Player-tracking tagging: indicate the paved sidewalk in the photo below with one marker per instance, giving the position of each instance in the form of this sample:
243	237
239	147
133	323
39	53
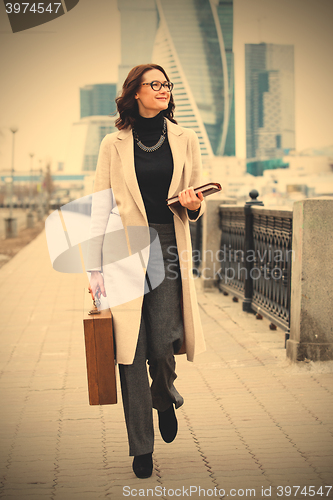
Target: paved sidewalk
252	425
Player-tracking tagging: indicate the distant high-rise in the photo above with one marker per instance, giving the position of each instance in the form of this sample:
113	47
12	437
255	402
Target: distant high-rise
98	99
85	140
270	104
192	40
97	103
138	29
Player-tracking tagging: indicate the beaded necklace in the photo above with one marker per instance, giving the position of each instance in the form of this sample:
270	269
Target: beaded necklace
157	145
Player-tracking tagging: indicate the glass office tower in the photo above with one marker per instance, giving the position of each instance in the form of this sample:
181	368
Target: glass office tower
97	103
193	42
139	23
270	102
85	140
98	99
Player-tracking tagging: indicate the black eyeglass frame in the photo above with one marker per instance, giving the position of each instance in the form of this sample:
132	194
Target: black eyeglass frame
167	85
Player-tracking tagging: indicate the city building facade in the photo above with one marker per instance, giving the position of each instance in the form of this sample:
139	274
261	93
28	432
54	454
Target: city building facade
98	108
138	24
98	99
86	137
270	104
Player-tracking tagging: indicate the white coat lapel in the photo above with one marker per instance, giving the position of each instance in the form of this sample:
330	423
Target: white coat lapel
125	149
178	143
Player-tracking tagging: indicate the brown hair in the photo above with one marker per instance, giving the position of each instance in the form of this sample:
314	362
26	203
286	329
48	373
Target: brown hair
126	103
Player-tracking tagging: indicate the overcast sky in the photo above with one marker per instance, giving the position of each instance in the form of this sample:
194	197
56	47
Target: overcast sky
43	68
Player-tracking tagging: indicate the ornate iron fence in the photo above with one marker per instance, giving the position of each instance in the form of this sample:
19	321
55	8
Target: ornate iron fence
232	272
256	264
272	235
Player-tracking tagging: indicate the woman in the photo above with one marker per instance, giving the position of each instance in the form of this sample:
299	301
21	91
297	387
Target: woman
148	160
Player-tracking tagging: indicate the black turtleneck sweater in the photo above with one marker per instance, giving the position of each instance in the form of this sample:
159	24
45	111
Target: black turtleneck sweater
153	170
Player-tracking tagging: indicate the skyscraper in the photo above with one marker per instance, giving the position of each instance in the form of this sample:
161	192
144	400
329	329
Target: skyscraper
85	139
192	40
98	99
97	103
270	106
139	23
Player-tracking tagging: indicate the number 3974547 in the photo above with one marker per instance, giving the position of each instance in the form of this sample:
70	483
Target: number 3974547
35	8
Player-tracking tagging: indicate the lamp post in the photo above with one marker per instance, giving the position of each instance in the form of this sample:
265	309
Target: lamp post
11	222
40	212
14	130
30	215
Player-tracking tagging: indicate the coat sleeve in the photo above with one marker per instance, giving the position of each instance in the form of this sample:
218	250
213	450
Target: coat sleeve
102	204
102	175
196	175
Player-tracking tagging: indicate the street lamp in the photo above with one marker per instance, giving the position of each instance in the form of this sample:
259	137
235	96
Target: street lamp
13	130
30	216
40	212
10	222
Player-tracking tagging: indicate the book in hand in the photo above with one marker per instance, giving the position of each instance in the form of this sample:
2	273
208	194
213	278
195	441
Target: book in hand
206	190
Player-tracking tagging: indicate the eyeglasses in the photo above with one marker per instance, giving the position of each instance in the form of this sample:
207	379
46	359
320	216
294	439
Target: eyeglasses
156	85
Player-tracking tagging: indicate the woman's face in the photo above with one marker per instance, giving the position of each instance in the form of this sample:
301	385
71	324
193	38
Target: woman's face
151	102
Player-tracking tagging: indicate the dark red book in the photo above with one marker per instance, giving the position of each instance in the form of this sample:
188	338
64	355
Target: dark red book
205	189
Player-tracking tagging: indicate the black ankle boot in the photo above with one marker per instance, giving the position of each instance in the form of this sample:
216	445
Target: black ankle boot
168	424
143	465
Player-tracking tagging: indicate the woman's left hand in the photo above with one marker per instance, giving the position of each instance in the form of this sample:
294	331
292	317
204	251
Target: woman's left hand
188	199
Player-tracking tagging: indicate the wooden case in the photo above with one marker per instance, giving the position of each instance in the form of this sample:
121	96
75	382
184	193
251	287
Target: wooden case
101	373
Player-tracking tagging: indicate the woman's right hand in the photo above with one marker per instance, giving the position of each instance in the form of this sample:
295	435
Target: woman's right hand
97	284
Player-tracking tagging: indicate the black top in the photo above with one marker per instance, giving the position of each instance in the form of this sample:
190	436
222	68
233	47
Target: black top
153	170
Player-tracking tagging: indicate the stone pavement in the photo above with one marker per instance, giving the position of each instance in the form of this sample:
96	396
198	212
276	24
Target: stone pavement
252	425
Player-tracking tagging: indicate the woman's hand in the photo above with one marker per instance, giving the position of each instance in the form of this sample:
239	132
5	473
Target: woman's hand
97	284
190	200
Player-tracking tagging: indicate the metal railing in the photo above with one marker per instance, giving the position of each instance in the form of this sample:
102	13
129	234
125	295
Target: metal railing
272	235
256	258
232	272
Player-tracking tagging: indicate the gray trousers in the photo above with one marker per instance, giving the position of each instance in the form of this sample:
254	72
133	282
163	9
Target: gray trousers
160	336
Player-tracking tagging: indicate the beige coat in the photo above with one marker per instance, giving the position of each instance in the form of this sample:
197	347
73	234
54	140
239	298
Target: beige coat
115	169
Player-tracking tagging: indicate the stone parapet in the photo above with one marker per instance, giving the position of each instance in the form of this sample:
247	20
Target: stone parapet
311	326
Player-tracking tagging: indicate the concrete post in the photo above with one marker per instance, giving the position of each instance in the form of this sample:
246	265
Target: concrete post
211	241
10	227
30	219
249	247
311	327
40	213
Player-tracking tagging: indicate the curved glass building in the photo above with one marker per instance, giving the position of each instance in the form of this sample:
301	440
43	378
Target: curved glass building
193	42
